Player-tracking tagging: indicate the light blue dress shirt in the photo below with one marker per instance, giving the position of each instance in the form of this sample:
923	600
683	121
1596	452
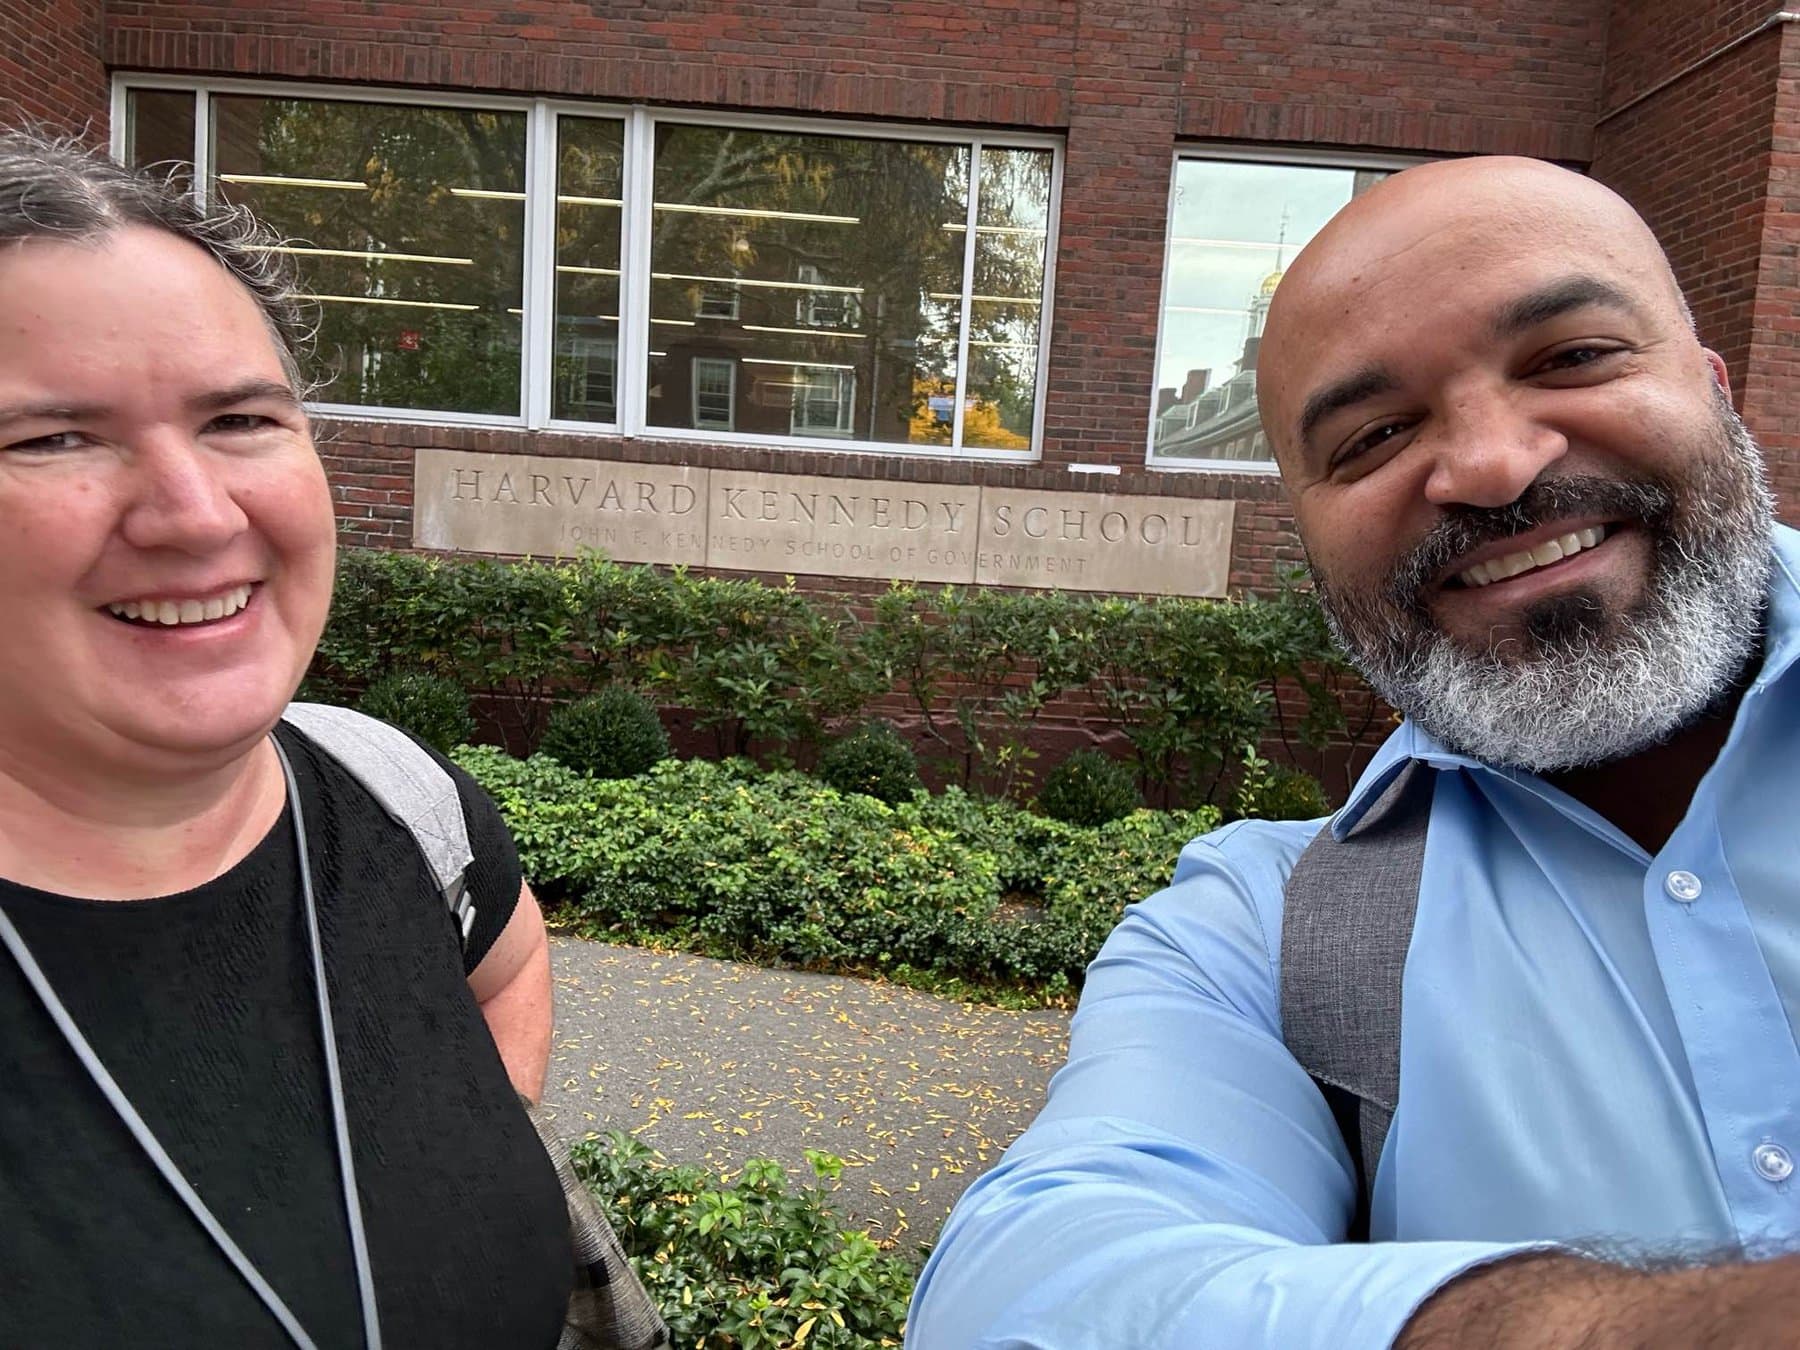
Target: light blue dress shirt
1598	1048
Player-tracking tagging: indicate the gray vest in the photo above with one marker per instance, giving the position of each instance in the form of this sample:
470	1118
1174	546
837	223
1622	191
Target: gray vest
1347	922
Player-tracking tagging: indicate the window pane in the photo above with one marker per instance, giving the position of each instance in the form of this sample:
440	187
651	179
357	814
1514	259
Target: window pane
1005	302
590	185
825	272
408	225
1233	228
159	129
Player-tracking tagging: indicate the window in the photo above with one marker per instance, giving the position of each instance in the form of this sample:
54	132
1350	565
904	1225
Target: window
824	400
715	392
408	226
718	300
590	233
1234	225
588	388
854	293
857	284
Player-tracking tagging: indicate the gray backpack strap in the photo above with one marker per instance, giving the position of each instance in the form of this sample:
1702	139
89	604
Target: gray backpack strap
412	787
1346	926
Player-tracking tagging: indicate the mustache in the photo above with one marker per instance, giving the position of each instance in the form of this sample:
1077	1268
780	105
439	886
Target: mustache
1465	528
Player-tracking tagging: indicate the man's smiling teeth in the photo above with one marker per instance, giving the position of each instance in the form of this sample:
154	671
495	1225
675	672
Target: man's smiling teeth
173	612
1552	550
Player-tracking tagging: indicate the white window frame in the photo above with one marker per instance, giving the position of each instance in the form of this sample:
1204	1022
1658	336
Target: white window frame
846	400
1253	154
537	340
714	363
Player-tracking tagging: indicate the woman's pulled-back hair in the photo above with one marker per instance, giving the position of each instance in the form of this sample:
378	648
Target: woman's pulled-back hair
55	188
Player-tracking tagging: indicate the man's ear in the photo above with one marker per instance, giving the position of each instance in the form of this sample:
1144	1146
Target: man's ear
1722	375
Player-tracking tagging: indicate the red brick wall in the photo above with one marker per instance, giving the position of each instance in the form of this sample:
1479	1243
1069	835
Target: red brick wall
1772	386
983	62
1498	76
1124	80
1697	158
1650	40
50	69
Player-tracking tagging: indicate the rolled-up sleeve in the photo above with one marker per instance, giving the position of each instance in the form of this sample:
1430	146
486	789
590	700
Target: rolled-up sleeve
1185	1184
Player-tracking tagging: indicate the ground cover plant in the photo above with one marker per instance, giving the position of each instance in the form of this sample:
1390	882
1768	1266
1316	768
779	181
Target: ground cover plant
748	1262
727	858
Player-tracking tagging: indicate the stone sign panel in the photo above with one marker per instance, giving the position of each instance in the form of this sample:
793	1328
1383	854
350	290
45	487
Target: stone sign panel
548	507
1097	541
802	523
842	527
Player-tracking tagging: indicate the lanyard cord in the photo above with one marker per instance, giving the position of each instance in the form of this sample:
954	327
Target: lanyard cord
147	1140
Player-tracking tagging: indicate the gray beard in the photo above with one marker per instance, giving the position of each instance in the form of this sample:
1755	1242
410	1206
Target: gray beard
1587	688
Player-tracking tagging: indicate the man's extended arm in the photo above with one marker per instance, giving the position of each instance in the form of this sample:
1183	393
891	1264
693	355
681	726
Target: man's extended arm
1185	1184
1555	1302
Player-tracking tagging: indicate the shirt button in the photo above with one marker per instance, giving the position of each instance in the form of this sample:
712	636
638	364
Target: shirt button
1682	886
1773	1162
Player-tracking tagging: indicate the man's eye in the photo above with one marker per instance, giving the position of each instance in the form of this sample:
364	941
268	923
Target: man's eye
1573	358
239	422
1372	439
49	445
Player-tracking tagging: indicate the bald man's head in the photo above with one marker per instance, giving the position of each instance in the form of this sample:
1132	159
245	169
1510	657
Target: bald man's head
1439	230
1533	519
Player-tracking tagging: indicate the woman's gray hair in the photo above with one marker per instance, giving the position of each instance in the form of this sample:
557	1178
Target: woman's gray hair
53	187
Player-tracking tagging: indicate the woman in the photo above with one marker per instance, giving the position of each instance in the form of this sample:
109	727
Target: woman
166	556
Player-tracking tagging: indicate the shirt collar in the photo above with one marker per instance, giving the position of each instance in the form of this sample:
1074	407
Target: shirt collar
1409	742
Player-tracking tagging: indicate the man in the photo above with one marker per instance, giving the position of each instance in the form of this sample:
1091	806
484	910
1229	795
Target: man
1540	530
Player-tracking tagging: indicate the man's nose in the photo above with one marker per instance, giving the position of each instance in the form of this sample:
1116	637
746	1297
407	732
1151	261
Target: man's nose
181	497
1489	450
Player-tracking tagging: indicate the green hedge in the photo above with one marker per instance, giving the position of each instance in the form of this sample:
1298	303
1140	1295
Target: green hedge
1190	683
750	1263
778	866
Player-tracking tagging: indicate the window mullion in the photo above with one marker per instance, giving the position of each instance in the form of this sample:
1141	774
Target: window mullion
634	269
203	147
1047	302
537	339
968	289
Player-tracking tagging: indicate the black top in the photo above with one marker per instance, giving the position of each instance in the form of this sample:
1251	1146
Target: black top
202	1006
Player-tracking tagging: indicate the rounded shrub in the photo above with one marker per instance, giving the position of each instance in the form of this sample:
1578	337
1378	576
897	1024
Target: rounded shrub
873	759
434	709
615	733
1290	794
1089	788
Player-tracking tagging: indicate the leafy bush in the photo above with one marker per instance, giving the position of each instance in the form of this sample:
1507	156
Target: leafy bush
1191	683
873	759
747	1264
1089	788
434	709
615	733
1275	792
726	858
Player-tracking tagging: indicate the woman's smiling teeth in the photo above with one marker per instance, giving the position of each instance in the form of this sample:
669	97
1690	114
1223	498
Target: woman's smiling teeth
1525	560
174	612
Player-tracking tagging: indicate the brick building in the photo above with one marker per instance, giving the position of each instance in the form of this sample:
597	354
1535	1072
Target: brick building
1006	261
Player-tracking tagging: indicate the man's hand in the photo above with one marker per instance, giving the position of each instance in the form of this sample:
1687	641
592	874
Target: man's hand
1554	1302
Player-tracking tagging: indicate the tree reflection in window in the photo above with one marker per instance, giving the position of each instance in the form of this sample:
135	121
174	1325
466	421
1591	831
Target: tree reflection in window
846	257
408	224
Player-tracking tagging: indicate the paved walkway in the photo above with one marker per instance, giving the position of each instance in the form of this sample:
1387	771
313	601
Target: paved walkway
714	1062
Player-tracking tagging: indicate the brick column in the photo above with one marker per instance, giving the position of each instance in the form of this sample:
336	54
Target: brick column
1122	123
